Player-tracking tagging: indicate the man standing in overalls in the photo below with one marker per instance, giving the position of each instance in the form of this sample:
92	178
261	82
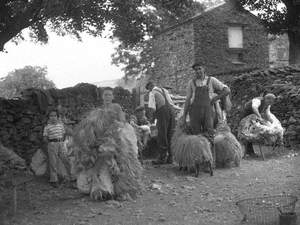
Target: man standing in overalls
201	97
162	105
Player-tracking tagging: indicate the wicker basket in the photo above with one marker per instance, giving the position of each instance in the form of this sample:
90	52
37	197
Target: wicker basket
265	210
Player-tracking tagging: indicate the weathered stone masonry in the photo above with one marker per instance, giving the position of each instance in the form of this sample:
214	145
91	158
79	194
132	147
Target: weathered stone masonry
204	39
211	40
22	121
174	51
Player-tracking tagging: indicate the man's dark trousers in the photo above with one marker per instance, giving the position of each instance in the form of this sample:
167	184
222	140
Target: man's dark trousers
165	127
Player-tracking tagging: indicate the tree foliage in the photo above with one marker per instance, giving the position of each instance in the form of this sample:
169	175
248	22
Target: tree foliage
28	77
279	20
273	14
129	19
138	59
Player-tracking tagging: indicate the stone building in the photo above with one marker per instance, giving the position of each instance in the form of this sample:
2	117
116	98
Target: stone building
279	50
225	39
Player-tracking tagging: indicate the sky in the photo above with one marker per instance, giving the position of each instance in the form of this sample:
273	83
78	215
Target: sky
69	61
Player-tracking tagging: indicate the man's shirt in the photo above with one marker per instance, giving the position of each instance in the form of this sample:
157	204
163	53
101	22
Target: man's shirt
256	103
54	131
157	99
214	86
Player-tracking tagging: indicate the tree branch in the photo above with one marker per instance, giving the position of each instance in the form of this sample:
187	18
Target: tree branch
20	21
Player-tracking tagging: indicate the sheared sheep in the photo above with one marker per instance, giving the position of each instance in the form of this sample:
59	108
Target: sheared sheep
192	152
228	150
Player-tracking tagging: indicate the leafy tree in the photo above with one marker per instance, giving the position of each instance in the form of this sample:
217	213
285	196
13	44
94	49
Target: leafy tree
128	18
137	59
279	20
28	77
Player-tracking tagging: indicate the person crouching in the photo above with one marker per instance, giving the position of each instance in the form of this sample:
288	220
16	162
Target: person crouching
260	106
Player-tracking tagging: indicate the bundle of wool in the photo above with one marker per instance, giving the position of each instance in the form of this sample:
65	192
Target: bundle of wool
252	129
97	181
10	160
39	163
118	175
228	149
191	151
128	181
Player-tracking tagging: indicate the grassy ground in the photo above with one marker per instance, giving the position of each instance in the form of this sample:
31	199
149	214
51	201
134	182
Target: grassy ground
170	197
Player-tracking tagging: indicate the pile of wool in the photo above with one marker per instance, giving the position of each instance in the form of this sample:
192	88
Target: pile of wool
191	151
39	161
228	149
284	82
254	130
106	157
10	160
11	165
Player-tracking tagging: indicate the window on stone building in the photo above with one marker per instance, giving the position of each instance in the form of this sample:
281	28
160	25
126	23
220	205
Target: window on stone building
235	37
235	44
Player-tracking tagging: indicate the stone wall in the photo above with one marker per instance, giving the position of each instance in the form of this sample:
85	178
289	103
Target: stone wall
279	50
22	121
211	40
284	82
174	52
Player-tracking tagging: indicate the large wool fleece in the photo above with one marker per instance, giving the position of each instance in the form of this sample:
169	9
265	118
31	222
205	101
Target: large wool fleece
228	149
264	132
191	151
106	157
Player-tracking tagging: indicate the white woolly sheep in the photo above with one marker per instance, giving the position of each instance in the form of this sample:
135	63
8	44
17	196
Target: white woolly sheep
191	151
228	149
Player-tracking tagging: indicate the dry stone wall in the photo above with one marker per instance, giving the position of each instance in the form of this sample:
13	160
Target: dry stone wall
22	121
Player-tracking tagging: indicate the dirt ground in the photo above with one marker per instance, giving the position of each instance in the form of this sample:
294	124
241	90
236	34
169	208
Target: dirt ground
170	197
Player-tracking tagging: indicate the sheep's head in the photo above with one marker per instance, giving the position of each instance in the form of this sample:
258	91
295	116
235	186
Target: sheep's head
223	127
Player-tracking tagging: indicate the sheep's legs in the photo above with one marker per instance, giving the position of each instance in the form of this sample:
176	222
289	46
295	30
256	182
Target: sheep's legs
210	169
197	169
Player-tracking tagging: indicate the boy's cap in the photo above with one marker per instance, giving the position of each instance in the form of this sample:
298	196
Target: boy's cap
139	108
